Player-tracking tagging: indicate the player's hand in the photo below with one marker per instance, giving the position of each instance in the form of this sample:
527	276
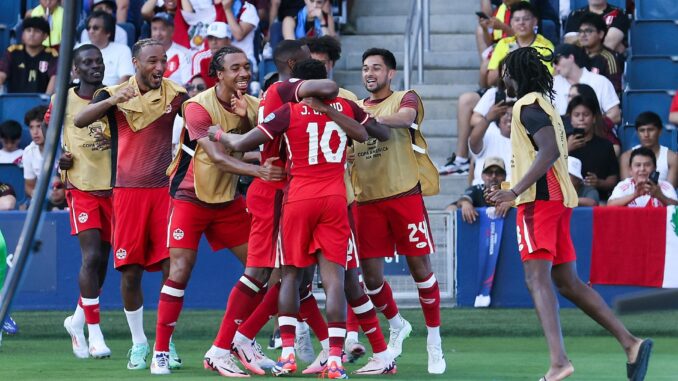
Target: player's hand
122	96
498	196
270	172
316	104
468	213
496	111
66	161
502	209
591	180
575	142
239	105
101	142
212	131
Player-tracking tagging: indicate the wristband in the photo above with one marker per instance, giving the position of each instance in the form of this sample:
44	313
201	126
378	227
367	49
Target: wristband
514	192
217	135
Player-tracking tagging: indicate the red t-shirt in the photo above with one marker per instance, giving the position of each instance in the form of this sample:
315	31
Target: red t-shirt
316	147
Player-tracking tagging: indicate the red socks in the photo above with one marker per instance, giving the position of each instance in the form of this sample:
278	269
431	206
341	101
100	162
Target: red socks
91	309
429	298
337	333
244	298
383	301
288	328
169	307
351	320
267	309
369	322
310	313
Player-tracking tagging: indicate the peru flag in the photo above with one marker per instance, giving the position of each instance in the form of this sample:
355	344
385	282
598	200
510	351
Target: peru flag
635	246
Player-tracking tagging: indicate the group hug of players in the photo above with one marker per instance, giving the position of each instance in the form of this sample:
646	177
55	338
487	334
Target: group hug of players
306	207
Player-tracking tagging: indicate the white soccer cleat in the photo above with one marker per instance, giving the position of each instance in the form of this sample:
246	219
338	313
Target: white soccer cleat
377	366
263	361
247	354
303	345
319	365
397	336
99	349
224	365
78	341
354	349
160	363
436	359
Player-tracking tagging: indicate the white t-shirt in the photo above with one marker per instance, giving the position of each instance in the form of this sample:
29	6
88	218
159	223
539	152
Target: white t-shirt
628	187
32	161
13	157
494	144
250	16
118	60
607	97
120	36
178	64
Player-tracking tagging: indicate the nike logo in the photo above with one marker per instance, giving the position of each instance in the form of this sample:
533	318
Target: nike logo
323	363
371	331
246	358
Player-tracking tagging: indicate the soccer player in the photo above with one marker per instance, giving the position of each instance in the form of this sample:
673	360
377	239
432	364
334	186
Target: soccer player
88	193
140	114
314	212
390	179
543	192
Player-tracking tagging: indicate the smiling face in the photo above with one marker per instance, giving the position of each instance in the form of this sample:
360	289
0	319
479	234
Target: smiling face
641	168
376	75
89	67
235	73
150	66
523	23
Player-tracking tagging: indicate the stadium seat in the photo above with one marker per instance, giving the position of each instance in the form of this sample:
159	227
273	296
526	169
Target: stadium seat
634	103
131	33
652	72
14	106
644	41
13	175
550	31
656	10
576	4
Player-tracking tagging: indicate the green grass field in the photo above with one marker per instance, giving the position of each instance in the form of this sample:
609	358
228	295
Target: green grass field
479	345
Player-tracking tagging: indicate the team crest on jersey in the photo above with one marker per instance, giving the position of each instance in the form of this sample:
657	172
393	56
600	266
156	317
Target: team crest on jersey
168	109
83	217
43	66
178	234
121	253
269	118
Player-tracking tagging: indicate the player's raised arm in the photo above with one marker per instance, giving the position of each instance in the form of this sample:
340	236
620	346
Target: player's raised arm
227	163
236	142
352	127
319	88
100	105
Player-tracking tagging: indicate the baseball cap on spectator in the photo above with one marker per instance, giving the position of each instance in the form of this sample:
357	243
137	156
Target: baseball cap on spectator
36	22
164	17
494	162
219	29
109	2
566	50
574	167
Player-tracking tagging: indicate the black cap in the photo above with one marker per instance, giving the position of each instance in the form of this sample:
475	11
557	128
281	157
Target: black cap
37	23
566	50
164	16
110	2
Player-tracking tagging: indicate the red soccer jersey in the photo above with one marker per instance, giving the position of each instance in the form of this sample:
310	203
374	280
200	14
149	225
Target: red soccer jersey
316	147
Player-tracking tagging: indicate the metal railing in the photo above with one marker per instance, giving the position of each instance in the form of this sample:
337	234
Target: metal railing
417	34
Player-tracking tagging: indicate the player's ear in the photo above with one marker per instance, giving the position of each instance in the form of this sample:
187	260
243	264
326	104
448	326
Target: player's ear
391	74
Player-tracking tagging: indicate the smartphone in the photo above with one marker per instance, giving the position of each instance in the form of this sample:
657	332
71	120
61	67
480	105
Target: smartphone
482	15
654	177
499	96
578	131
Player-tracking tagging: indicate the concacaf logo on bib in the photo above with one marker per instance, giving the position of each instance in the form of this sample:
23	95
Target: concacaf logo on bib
121	253
83	217
178	234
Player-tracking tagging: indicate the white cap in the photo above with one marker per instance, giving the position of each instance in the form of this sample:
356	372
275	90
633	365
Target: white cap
574	167
219	29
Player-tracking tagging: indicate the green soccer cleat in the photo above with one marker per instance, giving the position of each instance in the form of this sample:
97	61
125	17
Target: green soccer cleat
137	356
174	359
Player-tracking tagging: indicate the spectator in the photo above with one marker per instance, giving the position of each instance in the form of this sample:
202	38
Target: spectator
524	20
178	57
490	30
117	57
586	92
30	67
192	20
57	199
491	136
109	7
673	111
313	20
242	19
279	11
571	64
53	13
194	87
603	61
649	127
10	136
588	195
151	7
326	49
494	172
7	197
640	190
616	20
32	159
588	144
218	36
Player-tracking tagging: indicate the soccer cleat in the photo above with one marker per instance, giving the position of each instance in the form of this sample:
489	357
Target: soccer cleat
78	340
397	336
455	167
174	359
436	359
354	349
285	366
247	354
275	342
160	363
320	363
335	371
99	350
262	360
224	365
377	366
303	345
9	326
137	356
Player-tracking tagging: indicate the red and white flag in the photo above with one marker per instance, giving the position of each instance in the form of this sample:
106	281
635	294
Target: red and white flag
635	246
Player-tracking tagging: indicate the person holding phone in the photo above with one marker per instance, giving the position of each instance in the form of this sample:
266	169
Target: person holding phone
643	188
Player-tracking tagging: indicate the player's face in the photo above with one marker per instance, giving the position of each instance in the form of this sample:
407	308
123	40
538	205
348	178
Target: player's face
523	23
35	128
325	59
589	37
582	117
150	66
236	73
648	135
162	32
33	37
216	43
89	67
376	75
641	168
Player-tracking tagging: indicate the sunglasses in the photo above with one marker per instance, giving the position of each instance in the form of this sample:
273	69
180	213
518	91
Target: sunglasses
196	87
93	27
494	171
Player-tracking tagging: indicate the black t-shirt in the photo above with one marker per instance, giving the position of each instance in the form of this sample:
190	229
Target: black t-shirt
26	74
598	157
475	195
613	16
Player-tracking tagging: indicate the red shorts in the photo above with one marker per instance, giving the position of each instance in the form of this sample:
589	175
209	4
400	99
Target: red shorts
225	227
543	230
88	211
264	203
352	261
140	227
395	225
322	221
